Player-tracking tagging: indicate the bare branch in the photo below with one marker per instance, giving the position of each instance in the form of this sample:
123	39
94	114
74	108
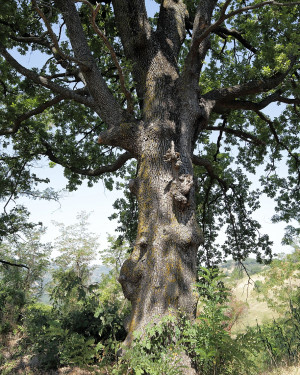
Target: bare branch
239	133
13	264
223	31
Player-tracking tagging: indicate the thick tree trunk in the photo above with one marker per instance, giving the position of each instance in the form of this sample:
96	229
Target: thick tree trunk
161	272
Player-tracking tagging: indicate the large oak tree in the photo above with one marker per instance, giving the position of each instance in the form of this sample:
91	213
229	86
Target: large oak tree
183	96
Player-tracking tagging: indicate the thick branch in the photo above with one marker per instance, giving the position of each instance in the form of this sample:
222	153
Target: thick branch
43	81
27	115
171	24
223	106
111	51
137	38
199	48
201	162
289	100
124	135
108	108
249	88
133	24
122	159
223	31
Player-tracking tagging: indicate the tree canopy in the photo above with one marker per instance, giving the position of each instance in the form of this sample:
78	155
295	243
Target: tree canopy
249	62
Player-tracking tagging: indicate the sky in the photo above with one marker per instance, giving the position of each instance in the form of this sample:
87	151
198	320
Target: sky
98	201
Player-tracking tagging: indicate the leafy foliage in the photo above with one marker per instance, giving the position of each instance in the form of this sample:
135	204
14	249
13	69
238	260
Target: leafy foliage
84	325
21	277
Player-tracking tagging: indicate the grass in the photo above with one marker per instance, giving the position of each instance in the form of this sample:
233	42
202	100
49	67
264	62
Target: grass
292	370
257	312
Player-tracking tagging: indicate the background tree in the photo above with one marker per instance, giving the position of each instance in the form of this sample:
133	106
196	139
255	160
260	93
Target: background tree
24	263
77	248
184	95
85	322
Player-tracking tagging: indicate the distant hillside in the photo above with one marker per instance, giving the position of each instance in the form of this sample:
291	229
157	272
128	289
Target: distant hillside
97	272
253	267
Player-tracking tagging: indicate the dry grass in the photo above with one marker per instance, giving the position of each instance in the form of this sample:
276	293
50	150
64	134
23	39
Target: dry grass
292	370
257	311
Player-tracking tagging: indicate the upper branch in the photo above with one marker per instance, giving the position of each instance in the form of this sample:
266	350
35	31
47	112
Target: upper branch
5	262
223	16
239	133
199	45
52	35
43	81
223	32
203	27
111	51
137	38
133	24
108	108
225	105
171	24
250	88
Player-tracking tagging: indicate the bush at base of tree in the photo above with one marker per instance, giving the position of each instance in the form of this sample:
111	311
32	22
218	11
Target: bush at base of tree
207	341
